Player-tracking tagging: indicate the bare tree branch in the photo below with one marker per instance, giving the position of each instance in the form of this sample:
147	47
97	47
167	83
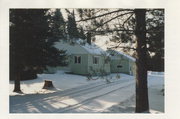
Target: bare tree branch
120	10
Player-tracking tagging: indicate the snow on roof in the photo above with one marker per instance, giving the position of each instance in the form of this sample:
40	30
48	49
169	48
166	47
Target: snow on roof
84	47
132	58
92	49
70	48
121	53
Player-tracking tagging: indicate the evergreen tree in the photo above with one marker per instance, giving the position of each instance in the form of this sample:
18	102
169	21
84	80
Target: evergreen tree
57	25
82	34
31	48
155	40
72	27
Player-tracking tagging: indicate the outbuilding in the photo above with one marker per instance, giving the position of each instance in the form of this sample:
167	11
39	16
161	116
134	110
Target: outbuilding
121	63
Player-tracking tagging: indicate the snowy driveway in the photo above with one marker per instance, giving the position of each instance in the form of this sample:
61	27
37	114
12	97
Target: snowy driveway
94	97
75	94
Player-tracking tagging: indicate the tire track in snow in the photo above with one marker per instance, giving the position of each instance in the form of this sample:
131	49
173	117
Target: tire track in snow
71	93
79	91
75	106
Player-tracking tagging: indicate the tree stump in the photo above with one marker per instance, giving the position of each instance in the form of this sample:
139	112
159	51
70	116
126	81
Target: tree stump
48	84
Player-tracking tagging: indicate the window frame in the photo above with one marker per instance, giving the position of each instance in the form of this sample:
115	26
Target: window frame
77	59
94	61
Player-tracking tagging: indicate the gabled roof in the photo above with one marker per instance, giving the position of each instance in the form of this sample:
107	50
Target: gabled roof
93	49
121	53
70	48
79	47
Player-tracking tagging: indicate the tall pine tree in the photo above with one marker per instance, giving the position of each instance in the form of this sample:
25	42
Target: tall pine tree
57	25
31	48
72	26
142	103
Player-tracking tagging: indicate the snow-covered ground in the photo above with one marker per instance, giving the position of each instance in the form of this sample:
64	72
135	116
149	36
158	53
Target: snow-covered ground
156	94
74	93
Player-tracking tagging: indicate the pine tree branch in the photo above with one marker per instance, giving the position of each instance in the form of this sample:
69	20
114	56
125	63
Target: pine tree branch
127	19
112	30
123	47
120	10
127	48
160	9
112	19
159	28
122	30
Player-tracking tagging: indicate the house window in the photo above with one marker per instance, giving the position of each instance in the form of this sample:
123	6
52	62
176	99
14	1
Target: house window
107	60
77	59
119	66
95	60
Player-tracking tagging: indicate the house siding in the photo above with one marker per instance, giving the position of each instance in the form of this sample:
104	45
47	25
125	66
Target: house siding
118	62
95	69
128	65
79	68
133	67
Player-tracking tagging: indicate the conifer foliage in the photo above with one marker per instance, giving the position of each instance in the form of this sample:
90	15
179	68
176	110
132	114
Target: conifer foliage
31	45
57	25
72	26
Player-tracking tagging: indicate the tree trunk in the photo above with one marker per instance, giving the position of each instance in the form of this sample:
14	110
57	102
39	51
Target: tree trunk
17	87
142	103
